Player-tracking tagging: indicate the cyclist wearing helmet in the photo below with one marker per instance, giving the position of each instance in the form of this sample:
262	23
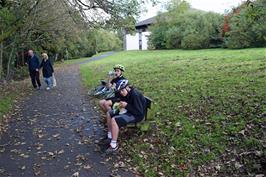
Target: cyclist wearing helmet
106	104
119	69
131	100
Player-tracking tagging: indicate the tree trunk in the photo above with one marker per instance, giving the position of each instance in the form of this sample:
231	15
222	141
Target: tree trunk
56	57
8	64
1	56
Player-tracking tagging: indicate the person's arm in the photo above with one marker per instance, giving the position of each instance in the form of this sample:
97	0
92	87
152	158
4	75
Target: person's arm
38	63
111	84
41	64
51	66
27	61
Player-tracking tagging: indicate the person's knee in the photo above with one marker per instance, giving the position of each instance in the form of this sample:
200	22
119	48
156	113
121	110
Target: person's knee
101	102
106	104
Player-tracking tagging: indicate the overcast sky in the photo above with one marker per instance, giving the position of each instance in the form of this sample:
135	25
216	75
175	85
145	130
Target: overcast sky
207	5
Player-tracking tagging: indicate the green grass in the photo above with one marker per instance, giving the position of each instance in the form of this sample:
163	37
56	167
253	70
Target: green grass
10	93
202	100
6	104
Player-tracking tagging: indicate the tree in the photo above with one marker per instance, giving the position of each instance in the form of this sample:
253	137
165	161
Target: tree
57	26
183	27
247	26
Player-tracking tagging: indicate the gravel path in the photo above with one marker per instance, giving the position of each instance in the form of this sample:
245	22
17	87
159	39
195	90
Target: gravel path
55	133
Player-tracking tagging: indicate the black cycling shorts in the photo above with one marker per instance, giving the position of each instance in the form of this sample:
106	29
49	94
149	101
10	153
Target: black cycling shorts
124	119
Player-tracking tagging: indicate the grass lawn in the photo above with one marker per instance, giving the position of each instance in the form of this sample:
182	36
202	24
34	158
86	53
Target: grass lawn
208	113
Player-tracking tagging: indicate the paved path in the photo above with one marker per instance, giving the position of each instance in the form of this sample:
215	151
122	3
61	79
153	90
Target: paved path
97	57
54	133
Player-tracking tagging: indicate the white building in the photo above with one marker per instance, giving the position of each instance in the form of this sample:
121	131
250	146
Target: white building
139	40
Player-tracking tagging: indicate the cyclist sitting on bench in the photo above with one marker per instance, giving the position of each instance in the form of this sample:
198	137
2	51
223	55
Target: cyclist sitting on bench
134	103
106	104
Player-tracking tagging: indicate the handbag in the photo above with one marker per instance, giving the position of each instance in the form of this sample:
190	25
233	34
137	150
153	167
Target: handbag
54	81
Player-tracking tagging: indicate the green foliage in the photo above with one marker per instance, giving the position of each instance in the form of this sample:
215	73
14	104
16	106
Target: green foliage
248	28
205	103
5	104
182	27
186	28
61	29
106	41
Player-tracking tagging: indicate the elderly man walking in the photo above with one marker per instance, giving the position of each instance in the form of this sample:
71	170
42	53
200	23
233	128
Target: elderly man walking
34	64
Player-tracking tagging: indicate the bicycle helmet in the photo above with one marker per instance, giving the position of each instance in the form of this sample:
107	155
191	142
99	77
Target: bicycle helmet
121	84
118	66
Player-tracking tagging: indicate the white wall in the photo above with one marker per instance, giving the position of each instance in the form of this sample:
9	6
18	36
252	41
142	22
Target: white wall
145	40
132	42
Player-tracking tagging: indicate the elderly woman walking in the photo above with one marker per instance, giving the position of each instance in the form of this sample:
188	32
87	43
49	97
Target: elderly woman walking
47	70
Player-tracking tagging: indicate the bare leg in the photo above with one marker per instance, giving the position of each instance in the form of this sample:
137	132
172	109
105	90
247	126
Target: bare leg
108	105
109	119
114	129
101	104
105	105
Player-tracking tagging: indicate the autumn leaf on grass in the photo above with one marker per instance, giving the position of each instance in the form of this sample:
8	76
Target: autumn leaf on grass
182	167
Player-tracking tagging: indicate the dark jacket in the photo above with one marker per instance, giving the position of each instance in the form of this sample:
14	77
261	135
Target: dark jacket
33	63
136	104
47	68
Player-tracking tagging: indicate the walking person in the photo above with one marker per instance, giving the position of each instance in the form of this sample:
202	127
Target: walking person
47	70
34	63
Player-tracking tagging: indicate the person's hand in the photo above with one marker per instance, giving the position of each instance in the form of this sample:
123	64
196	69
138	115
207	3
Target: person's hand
123	104
37	69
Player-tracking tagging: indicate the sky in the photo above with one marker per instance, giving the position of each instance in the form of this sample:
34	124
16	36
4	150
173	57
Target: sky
218	6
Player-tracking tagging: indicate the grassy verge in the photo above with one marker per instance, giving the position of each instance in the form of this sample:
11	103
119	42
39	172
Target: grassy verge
208	109
10	93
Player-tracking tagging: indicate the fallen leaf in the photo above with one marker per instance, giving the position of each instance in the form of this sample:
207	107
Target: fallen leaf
56	135
61	151
75	174
242	132
23	167
86	167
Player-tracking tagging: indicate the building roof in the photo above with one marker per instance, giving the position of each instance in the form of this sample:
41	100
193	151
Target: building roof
146	22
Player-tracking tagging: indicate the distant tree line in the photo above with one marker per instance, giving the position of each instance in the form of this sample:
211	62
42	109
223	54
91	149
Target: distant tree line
63	28
186	28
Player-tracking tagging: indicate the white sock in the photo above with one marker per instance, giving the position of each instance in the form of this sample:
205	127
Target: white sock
109	135
113	144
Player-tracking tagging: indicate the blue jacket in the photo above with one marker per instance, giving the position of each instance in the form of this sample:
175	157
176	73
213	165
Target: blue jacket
47	68
33	63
